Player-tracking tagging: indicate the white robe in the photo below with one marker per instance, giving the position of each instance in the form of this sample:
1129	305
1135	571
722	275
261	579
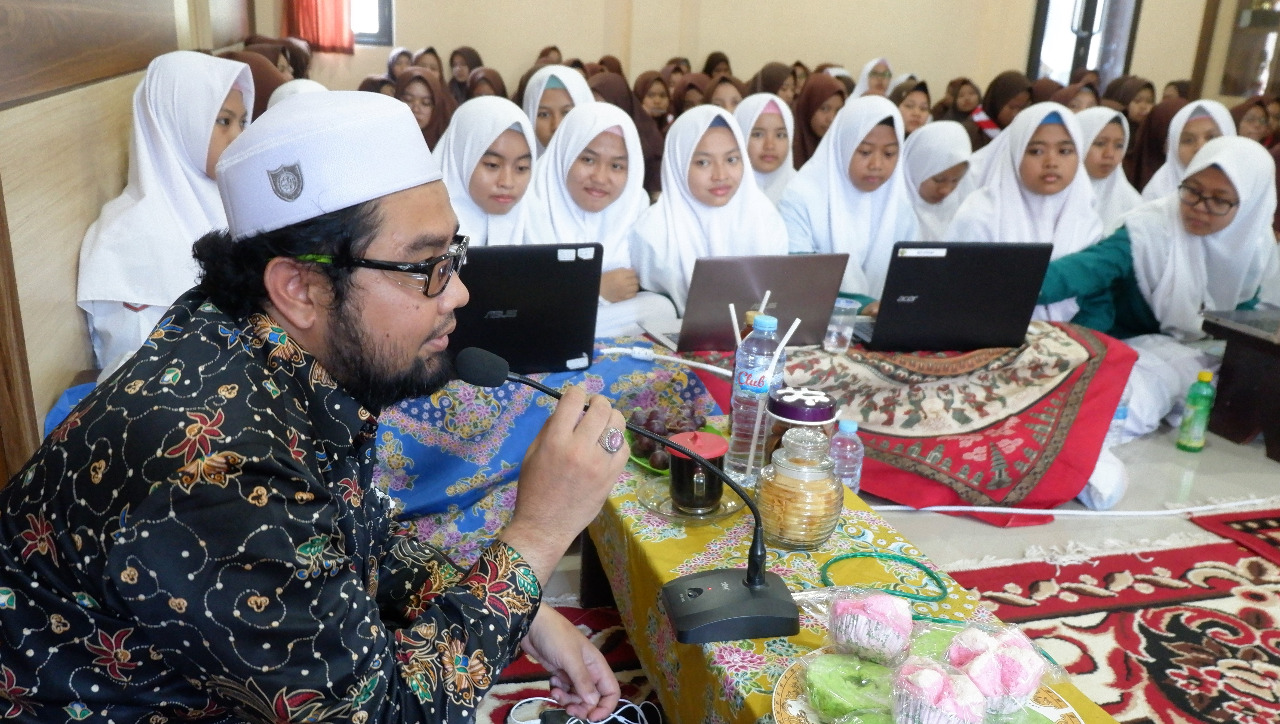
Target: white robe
679	229
1166	178
1113	196
929	151
474	127
1005	210
138	252
825	213
774	182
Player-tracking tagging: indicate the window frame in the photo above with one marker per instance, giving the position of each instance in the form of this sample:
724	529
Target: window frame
386	20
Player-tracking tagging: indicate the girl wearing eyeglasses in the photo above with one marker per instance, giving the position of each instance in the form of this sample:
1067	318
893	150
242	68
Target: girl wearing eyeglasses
1206	246
874	79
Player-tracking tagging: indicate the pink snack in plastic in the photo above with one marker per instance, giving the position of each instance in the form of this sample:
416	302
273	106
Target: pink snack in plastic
875	625
930	693
1005	666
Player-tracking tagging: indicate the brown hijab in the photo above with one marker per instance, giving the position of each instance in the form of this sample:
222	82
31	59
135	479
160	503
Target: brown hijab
1068	94
613	65
817	90
375	83
612	88
1128	89
644	81
689	80
1004	88
769	79
444	107
1043	89
1147	149
489	75
266	78
945	108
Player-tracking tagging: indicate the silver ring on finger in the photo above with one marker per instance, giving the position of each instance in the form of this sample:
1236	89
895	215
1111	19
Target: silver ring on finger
611	440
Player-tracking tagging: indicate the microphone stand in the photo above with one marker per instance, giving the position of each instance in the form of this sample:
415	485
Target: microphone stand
716	605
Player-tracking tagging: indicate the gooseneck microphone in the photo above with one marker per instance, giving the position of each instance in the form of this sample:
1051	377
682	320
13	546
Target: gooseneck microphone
703	607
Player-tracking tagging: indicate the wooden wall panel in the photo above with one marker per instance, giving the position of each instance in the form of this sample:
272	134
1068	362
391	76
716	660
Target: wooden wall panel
18	431
50	45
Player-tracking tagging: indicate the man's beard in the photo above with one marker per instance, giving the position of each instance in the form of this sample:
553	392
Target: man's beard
362	368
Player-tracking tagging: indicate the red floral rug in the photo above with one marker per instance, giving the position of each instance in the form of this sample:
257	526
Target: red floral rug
1179	636
1257	530
524	678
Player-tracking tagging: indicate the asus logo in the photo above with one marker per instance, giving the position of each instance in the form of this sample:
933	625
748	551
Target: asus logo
908	298
501	314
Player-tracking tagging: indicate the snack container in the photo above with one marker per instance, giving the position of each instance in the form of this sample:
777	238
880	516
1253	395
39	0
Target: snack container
932	692
872	624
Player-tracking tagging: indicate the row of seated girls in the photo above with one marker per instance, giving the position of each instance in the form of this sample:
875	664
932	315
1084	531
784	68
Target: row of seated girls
565	167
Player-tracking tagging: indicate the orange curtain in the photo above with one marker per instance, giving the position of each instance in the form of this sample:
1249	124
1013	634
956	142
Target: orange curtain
325	24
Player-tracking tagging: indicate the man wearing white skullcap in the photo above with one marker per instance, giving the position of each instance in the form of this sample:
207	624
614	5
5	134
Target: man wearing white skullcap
199	540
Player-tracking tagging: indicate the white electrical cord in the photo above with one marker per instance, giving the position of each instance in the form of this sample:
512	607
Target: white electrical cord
1083	513
623	706
646	354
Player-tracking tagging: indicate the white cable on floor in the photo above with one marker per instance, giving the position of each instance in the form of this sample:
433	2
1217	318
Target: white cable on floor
648	355
1099	513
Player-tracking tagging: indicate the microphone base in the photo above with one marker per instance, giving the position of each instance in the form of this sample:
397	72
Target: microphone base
711	606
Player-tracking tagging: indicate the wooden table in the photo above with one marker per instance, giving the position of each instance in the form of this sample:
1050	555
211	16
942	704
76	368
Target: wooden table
1248	399
734	681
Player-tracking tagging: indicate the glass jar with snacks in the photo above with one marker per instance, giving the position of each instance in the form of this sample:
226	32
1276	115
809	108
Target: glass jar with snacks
790	407
800	500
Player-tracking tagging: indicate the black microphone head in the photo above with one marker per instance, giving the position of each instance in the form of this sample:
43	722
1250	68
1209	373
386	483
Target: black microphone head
481	368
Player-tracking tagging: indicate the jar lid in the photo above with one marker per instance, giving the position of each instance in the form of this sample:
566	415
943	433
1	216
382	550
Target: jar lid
707	444
801	404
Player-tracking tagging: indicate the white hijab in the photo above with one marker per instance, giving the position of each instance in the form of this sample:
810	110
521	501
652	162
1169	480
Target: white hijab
774	182
475	126
932	149
574	84
553	217
679	229
1166	178
139	249
1113	196
840	217
1005	210
1180	274
864	77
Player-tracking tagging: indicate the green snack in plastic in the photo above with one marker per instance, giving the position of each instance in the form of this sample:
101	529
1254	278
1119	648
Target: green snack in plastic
931	642
871	718
840	685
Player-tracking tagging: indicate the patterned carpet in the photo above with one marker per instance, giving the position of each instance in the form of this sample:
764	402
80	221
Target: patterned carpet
1181	636
525	678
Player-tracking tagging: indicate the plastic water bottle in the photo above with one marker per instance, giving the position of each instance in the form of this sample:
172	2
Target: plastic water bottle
1195	420
751	385
1115	433
847	451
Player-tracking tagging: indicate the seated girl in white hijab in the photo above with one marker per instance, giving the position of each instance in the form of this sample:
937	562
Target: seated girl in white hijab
589	187
136	258
874	79
551	93
1037	191
486	156
710	205
1208	245
1106	135
936	158
766	121
1195	125
851	197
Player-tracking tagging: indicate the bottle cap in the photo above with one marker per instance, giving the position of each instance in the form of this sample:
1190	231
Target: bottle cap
798	404
765	323
1205	376
848	426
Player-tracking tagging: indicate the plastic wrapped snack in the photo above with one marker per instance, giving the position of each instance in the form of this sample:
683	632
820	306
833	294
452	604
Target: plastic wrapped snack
931	692
931	638
1001	662
845	689
871	624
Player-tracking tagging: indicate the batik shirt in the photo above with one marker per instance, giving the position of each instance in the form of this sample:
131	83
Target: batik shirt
199	541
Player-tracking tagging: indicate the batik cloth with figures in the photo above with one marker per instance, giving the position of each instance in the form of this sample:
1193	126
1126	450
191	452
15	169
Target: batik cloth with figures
199	541
1020	426
476	438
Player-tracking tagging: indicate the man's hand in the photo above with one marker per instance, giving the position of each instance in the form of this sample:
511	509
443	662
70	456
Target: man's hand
581	680
871	309
619	285
564	480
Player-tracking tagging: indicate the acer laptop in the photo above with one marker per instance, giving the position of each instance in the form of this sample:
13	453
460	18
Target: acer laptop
533	305
956	296
801	286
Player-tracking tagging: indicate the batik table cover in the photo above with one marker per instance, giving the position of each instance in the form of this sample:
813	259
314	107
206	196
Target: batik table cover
734	681
476	438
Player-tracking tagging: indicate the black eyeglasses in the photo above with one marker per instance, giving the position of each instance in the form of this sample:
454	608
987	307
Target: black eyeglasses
430	276
1212	204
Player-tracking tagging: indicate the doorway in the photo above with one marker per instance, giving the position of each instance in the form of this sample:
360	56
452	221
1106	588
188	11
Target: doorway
1072	34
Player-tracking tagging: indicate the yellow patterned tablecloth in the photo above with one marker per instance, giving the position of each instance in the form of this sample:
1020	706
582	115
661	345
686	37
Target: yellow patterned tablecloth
734	681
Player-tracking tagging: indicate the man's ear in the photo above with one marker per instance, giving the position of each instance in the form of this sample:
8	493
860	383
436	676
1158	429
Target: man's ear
299	295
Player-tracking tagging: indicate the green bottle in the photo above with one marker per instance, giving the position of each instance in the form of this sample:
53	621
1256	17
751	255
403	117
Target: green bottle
1195	421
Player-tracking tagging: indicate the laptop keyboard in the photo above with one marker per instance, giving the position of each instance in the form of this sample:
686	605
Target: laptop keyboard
863	327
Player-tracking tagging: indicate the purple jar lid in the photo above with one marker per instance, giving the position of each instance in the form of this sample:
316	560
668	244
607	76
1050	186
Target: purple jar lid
800	404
